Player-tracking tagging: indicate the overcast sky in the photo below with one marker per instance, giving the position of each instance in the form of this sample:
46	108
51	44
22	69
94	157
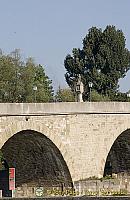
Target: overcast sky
47	30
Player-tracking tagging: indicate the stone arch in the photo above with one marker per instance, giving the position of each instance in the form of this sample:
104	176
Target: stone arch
37	160
118	157
18	126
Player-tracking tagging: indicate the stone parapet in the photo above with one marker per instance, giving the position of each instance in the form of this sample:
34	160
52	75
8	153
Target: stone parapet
63	108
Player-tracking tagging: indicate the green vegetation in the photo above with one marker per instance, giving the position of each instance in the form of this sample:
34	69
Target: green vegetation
95	96
23	81
64	95
1	159
107	178
103	60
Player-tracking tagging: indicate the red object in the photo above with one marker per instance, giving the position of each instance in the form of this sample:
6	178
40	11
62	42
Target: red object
11	178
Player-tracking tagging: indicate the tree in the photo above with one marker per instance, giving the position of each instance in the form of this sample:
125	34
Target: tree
17	80
64	95
95	96
103	60
9	80
34	76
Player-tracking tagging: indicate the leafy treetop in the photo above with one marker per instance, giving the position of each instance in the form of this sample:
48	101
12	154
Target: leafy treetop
103	60
18	79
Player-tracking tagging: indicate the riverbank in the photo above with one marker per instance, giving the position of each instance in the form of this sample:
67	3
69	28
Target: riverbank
72	198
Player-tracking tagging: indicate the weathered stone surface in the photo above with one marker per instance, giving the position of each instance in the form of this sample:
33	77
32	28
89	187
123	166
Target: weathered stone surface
76	198
36	159
83	132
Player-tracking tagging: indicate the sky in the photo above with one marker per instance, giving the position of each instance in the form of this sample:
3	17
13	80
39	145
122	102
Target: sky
48	30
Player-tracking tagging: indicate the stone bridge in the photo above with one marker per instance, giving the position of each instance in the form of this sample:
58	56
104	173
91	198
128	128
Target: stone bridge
84	136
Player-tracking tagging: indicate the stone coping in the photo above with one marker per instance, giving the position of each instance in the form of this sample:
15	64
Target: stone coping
64	108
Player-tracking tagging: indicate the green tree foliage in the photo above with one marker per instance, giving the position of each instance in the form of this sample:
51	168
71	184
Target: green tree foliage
95	96
18	79
64	95
120	97
103	60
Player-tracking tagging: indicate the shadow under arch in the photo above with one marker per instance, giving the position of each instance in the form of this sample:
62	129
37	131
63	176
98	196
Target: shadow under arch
37	160
118	159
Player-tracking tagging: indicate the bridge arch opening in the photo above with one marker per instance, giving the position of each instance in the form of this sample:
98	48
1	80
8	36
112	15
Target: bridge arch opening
37	160
118	159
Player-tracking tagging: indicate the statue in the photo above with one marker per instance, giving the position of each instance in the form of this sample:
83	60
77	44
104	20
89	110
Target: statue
79	90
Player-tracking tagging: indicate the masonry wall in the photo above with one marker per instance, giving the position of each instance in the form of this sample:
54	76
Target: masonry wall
83	137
